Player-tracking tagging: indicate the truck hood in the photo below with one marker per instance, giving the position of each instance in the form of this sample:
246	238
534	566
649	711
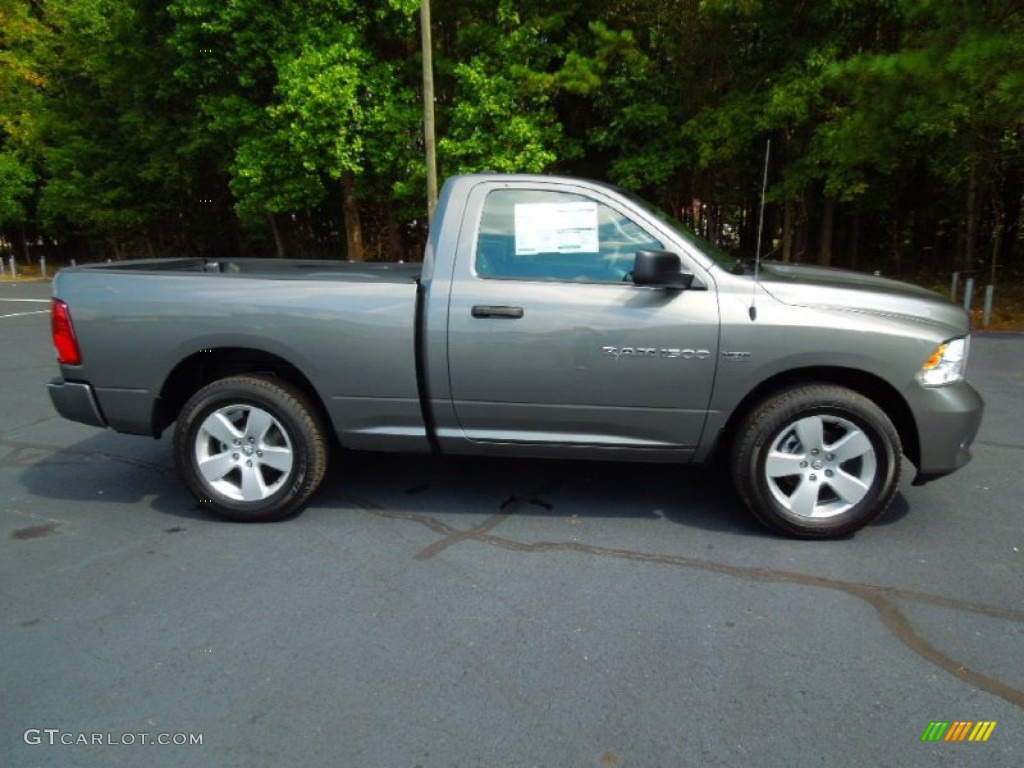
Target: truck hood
841	289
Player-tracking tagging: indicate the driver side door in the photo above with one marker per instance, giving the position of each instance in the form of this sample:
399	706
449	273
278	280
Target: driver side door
549	341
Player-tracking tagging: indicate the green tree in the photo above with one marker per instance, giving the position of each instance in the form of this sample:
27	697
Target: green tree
307	100
499	113
207	127
21	82
947	102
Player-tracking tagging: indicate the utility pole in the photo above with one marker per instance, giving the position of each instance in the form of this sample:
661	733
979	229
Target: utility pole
428	108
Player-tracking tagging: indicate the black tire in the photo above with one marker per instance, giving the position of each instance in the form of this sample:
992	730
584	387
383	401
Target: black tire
251	448
816	461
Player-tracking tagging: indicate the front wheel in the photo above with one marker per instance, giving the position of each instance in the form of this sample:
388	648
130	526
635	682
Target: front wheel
251	448
817	461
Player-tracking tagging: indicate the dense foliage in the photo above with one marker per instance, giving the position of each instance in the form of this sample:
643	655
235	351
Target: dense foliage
138	127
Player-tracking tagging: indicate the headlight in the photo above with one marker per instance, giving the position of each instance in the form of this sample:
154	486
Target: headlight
947	364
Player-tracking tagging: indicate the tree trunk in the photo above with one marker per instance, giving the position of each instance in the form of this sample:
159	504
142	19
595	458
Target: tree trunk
997	238
802	244
353	228
971	234
396	251
855	239
1013	197
429	141
787	231
936	258
826	234
25	245
278	240
897	251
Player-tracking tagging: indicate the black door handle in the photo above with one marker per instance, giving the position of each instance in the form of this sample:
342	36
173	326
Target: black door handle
510	313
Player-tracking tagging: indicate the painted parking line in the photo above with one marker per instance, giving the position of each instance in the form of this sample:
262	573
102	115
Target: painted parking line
22	314
30	301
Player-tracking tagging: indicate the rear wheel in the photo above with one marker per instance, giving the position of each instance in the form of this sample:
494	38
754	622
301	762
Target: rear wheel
817	461
252	448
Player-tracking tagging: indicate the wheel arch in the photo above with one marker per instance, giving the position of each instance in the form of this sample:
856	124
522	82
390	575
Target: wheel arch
876	389
206	366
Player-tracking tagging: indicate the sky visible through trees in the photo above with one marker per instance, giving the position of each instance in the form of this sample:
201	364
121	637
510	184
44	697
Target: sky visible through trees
252	127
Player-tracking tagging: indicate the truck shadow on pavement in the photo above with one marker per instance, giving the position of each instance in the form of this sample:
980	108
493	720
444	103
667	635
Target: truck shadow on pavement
107	469
698	497
113	469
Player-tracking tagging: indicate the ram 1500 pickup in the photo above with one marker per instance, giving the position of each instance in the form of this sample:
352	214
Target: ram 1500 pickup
550	317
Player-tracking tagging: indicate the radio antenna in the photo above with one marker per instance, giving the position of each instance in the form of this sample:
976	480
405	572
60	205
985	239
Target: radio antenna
760	229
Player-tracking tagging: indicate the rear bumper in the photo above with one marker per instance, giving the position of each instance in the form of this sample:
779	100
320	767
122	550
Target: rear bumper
76	401
948	419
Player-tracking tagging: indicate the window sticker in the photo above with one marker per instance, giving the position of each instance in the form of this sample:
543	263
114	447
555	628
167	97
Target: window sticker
556	228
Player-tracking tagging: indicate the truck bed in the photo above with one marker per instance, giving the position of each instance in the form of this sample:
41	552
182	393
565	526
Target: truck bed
146	325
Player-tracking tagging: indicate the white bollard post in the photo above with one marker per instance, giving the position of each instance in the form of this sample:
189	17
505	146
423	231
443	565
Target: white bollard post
990	291
968	293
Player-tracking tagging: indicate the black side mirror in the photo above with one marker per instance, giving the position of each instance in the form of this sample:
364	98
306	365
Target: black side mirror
660	268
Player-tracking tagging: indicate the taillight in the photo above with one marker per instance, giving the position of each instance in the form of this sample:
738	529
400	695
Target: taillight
64	339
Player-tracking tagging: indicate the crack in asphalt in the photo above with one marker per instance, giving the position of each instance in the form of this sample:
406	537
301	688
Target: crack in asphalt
880	598
29	424
509	507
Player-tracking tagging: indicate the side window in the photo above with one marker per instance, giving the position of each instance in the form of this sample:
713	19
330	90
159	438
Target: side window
537	235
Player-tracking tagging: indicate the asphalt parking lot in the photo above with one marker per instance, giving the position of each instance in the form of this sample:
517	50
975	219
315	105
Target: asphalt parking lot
493	613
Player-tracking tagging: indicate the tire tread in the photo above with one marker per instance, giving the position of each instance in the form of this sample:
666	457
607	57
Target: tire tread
787	404
299	408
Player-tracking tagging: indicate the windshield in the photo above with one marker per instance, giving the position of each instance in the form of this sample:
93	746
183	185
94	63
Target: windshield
719	256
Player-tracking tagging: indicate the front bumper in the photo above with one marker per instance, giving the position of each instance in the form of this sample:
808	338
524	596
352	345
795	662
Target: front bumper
947	419
76	401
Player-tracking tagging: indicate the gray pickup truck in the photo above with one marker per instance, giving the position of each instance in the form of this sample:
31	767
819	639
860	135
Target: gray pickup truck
550	317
